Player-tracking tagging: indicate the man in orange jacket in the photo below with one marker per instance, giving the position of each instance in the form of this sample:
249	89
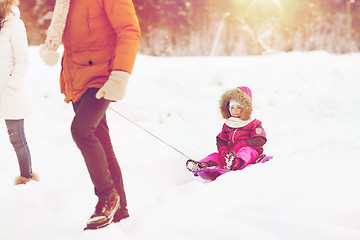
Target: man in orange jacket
101	39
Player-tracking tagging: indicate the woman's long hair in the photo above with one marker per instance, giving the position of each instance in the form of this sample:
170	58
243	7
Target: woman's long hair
5	9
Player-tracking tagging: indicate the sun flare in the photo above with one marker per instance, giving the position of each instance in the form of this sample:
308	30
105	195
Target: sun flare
270	3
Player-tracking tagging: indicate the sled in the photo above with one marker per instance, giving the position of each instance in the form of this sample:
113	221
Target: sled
211	173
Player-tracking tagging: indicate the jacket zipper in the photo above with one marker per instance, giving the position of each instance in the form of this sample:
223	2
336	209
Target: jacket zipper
233	137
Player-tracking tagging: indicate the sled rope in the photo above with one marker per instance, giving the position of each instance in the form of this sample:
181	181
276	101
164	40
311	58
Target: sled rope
128	119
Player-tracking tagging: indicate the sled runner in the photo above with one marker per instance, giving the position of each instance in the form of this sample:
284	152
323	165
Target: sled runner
211	173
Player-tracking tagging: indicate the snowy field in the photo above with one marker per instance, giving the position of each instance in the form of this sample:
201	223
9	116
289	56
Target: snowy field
310	108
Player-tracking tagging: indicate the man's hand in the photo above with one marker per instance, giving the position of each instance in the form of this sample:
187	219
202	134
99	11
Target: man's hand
114	88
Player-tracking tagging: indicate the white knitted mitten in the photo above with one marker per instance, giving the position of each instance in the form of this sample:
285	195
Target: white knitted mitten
114	88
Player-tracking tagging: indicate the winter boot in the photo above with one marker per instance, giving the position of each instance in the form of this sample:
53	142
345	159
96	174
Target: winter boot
193	166
120	214
104	212
23	180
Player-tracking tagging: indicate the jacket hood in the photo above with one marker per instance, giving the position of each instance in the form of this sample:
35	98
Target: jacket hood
243	96
15	11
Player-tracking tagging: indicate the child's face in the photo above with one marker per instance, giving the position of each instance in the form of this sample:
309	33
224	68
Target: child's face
235	110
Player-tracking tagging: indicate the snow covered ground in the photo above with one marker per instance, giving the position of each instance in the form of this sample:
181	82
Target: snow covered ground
310	109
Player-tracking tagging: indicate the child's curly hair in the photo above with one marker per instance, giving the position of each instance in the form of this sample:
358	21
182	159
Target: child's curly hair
5	9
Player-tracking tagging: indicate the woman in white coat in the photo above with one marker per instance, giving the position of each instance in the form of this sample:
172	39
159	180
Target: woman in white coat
13	65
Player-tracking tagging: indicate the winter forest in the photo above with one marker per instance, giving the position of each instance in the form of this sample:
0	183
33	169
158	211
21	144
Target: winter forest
229	27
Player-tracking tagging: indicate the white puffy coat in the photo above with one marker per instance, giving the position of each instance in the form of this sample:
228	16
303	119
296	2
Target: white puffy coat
13	65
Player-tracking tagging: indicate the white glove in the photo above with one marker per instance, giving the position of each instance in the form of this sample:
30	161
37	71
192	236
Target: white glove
114	88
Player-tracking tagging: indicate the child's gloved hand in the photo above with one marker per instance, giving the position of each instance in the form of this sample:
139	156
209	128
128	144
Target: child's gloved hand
114	88
223	151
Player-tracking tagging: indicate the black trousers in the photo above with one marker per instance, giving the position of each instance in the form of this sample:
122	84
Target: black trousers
91	135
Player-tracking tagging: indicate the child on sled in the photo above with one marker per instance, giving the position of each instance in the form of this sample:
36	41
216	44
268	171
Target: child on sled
241	140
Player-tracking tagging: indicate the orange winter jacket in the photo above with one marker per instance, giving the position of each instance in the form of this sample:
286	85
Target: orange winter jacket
99	36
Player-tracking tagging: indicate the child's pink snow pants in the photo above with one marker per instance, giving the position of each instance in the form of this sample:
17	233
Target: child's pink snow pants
247	154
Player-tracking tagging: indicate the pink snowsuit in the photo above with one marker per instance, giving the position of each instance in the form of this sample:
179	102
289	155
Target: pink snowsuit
246	138
236	138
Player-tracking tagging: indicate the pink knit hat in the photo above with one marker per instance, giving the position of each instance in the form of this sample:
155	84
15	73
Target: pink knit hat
246	90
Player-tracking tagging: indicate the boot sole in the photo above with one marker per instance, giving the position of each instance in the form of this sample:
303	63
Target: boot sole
110	220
